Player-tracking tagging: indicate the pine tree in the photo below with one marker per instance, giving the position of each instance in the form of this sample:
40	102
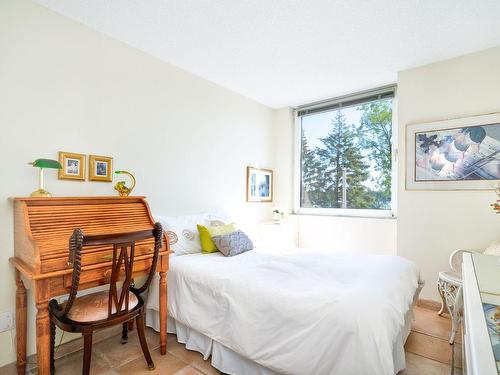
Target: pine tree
307	160
341	152
311	168
375	135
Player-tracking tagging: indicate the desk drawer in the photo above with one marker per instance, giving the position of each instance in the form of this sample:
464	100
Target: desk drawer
90	257
102	275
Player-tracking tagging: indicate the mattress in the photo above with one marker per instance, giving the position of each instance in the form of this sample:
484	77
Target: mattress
293	311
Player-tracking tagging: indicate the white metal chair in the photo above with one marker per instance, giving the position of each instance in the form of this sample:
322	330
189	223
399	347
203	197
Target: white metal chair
450	289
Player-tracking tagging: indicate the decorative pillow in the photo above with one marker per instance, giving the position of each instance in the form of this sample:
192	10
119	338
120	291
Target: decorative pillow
207	232
234	243
493	249
182	233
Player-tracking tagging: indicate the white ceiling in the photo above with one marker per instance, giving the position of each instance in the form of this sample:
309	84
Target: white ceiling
291	52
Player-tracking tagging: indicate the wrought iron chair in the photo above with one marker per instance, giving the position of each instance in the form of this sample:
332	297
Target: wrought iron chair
118	305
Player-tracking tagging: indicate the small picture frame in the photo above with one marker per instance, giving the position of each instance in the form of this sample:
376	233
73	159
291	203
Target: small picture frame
259	185
100	168
73	166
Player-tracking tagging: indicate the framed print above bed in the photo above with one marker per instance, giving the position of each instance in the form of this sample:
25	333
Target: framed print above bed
259	185
458	154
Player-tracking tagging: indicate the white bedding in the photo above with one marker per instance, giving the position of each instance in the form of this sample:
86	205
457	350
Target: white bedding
297	311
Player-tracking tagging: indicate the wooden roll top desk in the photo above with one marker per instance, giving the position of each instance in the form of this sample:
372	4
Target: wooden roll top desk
42	227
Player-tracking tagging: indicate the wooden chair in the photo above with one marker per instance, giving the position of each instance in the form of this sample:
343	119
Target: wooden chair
119	305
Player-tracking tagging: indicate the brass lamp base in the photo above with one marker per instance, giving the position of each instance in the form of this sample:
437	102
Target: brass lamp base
40	193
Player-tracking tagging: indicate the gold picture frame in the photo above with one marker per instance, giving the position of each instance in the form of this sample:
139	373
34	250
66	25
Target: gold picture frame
259	184
73	166
100	168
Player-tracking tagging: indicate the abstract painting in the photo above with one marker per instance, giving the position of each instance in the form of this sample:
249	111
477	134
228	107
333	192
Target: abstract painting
454	154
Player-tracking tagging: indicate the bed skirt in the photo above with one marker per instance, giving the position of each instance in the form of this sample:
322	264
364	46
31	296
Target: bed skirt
230	362
222	358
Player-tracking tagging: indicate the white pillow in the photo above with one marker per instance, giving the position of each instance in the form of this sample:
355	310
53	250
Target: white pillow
493	249
182	232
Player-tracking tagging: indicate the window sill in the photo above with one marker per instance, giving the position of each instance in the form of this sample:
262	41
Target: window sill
355	214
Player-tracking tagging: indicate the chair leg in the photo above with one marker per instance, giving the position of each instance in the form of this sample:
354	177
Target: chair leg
142	339
52	347
124	333
443	301
131	325
87	352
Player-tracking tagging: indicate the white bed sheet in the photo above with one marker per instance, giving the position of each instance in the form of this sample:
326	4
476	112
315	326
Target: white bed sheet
297	311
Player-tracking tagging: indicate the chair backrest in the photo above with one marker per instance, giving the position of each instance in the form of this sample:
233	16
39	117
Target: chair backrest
122	259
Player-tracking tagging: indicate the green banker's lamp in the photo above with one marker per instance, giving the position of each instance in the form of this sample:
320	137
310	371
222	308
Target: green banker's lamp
42	164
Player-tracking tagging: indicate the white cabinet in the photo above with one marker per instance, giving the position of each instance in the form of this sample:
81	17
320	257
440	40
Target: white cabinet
281	235
481	288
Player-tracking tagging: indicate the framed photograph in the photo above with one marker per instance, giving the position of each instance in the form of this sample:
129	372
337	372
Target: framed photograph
73	166
459	154
100	168
259	185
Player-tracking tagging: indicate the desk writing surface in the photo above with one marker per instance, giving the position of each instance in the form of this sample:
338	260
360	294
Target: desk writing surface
487	270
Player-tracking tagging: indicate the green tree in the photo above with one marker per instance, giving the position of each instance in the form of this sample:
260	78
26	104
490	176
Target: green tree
375	136
340	152
312	192
307	170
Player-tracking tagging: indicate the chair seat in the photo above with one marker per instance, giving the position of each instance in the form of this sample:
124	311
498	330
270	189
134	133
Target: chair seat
451	277
94	307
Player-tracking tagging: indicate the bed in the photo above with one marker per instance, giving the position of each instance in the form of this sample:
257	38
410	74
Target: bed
291	311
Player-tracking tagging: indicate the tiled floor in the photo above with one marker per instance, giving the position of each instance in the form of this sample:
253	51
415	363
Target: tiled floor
110	357
427	349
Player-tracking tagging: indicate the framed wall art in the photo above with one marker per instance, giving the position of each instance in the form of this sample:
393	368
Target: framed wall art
259	185
458	154
100	168
73	166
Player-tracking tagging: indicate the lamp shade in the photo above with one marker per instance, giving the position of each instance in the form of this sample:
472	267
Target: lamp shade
46	163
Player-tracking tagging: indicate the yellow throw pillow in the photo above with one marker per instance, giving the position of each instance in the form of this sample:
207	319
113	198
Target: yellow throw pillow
206	234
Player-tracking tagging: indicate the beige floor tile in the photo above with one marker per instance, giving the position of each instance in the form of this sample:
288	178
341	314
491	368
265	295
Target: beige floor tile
73	364
417	365
172	341
204	366
188	370
429	322
118	354
187	356
165	365
429	346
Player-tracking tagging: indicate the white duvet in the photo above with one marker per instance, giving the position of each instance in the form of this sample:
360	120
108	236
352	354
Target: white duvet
299	311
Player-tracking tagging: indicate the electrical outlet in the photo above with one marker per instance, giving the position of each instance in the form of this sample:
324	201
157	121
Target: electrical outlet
6	321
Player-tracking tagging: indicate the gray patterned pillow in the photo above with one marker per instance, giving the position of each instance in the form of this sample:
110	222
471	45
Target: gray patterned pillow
233	243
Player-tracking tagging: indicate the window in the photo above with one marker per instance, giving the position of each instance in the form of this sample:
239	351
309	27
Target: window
345	155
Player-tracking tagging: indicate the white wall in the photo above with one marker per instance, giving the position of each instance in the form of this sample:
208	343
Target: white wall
431	224
284	138
66	87
353	234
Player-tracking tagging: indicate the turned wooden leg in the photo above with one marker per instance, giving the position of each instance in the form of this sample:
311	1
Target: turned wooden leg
21	322
42	327
142	339
52	347
163	312
87	352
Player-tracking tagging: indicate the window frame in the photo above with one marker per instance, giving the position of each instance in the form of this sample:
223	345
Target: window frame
297	173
